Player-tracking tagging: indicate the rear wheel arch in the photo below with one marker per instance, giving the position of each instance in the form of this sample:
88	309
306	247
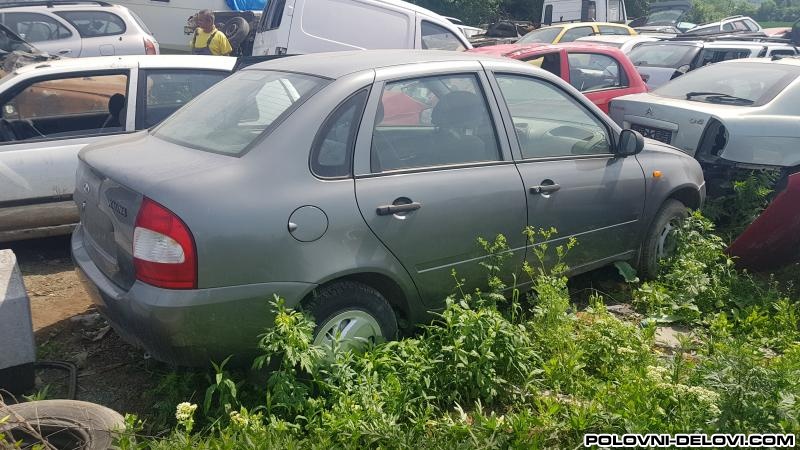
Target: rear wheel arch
385	285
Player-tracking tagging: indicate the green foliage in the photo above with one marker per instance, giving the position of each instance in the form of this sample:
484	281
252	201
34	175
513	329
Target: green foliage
498	369
747	196
473	12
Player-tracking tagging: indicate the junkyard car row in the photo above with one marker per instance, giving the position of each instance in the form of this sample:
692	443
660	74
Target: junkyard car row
353	184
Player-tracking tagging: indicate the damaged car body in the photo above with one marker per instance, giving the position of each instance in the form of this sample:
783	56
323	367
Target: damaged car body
734	124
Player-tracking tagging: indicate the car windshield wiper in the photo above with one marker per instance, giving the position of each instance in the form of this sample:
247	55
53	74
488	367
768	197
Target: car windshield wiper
719	96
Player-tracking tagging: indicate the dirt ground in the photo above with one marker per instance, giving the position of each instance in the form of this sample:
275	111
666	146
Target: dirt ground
67	328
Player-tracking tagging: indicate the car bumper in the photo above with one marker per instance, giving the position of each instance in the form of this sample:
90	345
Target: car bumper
772	240
185	327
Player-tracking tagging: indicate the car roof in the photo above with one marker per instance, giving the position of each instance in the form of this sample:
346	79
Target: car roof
338	64
620	38
786	61
746	44
63	7
130	61
583	24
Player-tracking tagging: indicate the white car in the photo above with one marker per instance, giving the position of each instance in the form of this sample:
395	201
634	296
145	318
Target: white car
50	111
733	24
622	42
79	28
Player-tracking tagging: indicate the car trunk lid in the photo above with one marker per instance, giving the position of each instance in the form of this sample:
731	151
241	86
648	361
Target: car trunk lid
113	179
679	123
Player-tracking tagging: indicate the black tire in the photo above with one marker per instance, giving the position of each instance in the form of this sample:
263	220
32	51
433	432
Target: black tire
65	424
672	212
237	29
346	296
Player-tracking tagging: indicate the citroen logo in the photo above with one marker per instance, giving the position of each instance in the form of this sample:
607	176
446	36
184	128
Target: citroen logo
649	112
86	188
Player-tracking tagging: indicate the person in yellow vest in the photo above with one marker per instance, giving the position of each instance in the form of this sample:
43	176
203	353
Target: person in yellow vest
207	39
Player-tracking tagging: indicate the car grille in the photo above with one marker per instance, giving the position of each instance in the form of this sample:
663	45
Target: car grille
658	134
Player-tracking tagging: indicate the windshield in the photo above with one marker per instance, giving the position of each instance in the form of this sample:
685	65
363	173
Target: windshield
753	84
233	114
666	17
546	35
663	55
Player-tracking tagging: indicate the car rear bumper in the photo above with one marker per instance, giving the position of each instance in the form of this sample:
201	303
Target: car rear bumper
185	327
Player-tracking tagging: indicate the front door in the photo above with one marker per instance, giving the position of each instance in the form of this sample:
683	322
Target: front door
438	177
574	182
599	76
43	128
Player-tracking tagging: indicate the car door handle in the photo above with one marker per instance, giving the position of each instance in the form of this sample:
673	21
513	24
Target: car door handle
64	51
545	188
388	210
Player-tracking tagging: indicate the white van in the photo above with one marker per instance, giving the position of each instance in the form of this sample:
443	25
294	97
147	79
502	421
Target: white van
310	26
559	11
167	19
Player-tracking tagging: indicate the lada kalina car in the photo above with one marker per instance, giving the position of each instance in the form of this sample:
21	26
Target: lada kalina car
318	178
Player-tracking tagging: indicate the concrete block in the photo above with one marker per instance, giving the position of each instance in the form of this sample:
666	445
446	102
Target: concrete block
17	344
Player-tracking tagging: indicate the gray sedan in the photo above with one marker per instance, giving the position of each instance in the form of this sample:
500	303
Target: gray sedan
353	184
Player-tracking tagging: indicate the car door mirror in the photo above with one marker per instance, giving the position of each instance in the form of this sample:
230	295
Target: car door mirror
630	143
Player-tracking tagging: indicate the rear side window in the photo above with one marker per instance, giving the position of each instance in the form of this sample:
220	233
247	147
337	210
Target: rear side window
238	110
435	37
35	27
433	121
576	33
709	56
94	23
332	155
168	90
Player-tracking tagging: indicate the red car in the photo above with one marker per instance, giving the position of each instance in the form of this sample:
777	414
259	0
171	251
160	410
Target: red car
600	72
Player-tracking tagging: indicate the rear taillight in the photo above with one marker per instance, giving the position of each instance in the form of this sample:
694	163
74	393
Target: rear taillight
149	47
164	253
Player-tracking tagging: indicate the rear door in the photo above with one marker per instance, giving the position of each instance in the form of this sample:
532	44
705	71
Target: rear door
166	90
434	175
48	33
272	36
574	182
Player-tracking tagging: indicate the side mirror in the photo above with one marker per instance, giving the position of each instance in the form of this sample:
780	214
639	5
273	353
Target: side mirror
630	143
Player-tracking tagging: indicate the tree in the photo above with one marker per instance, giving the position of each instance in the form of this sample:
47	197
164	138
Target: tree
472	12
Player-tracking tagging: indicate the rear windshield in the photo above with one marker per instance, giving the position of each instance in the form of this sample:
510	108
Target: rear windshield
234	113
741	84
547	35
663	55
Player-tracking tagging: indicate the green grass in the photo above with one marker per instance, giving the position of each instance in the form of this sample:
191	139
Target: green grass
521	372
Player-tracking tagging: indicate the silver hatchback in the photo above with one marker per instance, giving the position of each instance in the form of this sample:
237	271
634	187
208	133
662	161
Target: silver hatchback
76	29
352	185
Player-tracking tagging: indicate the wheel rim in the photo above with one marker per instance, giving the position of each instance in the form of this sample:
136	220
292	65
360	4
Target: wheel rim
667	243
354	330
